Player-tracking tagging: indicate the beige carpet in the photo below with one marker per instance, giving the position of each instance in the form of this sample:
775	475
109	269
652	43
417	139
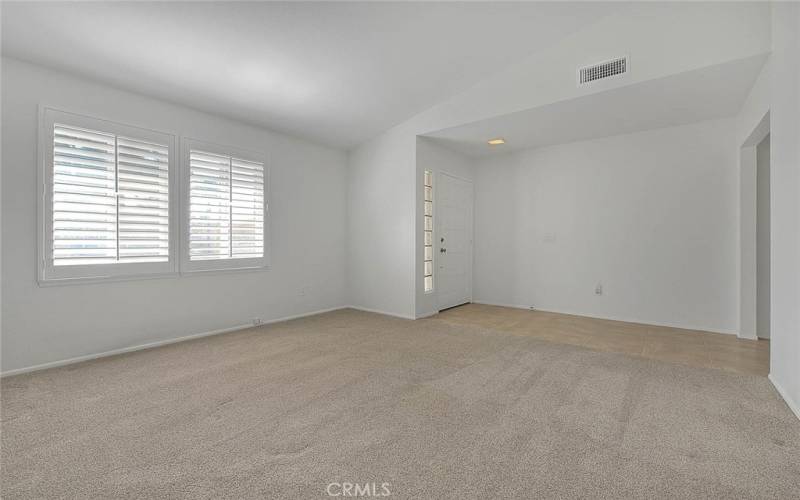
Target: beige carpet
435	410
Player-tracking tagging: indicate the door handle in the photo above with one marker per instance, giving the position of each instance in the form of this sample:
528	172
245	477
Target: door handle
442	250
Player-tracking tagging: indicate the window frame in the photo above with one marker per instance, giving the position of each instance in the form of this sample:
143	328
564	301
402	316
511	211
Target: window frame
49	274
190	267
432	231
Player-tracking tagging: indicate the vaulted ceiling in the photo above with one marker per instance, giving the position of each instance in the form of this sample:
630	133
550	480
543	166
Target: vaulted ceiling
336	73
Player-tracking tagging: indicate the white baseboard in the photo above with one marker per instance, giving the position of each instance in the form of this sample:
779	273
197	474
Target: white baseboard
500	304
159	343
378	311
795	407
612	318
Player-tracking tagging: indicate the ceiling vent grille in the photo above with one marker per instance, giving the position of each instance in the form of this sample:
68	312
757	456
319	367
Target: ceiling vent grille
602	70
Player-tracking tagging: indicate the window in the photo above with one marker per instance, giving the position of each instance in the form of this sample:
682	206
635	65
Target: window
106	195
226	209
427	261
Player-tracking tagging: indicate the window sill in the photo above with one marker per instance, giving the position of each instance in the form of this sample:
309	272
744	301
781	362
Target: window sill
54	282
231	270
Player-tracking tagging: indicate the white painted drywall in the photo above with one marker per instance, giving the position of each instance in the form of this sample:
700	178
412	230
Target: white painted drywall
333	71
383	208
752	125
754	108
47	324
380	204
710	33
747	242
651	215
762	239
437	159
785	206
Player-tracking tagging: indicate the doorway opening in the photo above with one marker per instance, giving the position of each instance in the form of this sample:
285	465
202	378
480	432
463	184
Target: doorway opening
755	270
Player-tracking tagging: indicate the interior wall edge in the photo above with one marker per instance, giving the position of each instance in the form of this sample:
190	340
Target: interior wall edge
159	343
792	404
378	311
614	318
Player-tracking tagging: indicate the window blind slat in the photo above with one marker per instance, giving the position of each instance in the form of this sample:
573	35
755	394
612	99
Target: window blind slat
143	172
226	204
110	198
209	186
83	195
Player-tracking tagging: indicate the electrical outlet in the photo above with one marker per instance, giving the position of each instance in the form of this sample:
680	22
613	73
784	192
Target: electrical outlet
598	290
257	321
303	291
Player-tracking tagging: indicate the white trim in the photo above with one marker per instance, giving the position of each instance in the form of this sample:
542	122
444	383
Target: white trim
231	270
106	279
611	318
433	245
159	343
378	311
747	230
795	407
48	274
188	266
501	304
743	336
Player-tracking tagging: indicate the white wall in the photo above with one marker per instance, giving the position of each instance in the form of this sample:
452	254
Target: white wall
435	158
48	324
749	124
381	226
748	264
752	125
383	211
651	215
762	239
785	206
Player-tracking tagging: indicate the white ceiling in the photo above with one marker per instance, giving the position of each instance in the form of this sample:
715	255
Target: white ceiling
337	73
703	94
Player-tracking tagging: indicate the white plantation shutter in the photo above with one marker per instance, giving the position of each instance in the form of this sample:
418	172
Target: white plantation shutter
84	197
106	199
143	201
110	199
226	207
209	206
247	209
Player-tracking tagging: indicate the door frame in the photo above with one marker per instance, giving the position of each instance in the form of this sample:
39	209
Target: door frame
437	225
748	163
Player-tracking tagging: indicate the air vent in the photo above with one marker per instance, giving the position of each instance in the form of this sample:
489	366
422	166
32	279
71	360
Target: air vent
602	70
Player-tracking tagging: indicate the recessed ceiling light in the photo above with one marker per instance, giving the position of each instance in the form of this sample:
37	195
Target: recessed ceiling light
496	142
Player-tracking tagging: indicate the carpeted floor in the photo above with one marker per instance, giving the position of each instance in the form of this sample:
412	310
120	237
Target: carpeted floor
435	410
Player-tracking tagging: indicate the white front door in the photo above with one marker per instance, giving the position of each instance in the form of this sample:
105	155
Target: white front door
454	239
